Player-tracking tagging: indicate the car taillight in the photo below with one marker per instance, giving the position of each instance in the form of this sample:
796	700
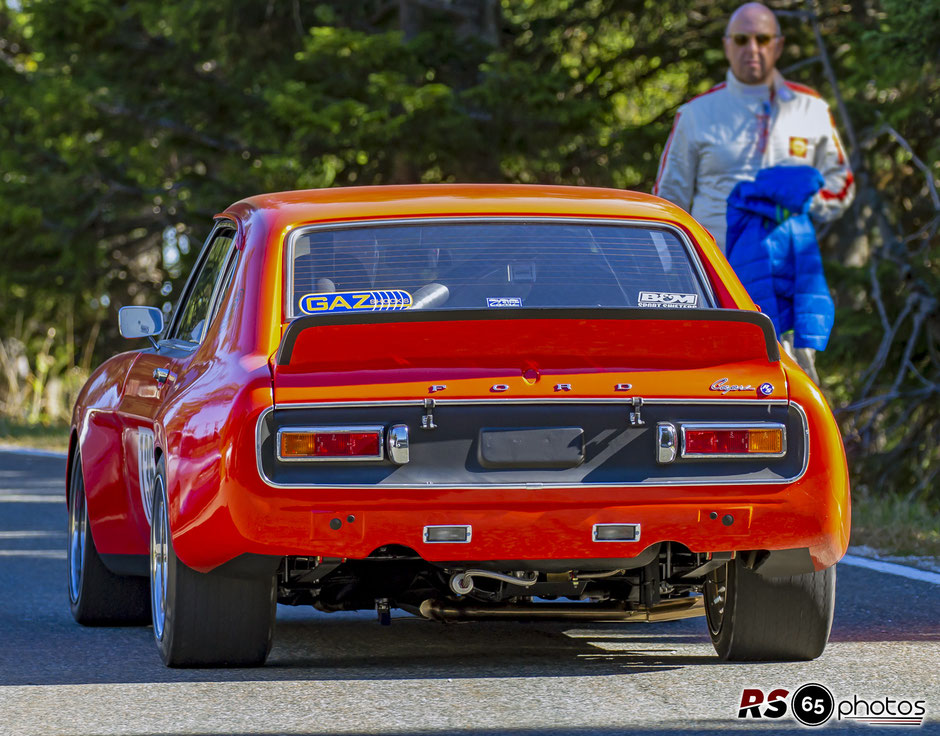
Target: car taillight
737	440
330	443
703	441
765	440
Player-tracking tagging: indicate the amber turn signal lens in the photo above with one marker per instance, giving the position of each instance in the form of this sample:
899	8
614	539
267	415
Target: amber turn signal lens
296	444
765	440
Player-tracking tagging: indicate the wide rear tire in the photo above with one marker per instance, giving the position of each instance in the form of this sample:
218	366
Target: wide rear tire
204	620
98	597
756	618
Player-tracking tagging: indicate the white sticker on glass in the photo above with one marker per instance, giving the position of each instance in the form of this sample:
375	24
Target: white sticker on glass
668	300
503	301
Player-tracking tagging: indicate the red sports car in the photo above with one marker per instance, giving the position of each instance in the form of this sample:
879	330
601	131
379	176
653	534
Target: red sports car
467	402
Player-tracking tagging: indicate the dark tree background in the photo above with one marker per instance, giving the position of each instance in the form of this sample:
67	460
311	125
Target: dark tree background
124	125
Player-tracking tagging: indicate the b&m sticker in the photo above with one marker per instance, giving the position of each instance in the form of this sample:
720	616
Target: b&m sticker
392	300
666	299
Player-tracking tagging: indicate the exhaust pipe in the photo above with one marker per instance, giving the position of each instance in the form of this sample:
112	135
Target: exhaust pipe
447	612
462	582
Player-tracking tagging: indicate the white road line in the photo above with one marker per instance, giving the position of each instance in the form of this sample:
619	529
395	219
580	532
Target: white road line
24	534
31	451
50	554
32	498
892	569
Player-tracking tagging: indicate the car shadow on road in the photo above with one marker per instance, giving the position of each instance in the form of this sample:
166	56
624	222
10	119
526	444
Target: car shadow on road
412	647
41	644
353	646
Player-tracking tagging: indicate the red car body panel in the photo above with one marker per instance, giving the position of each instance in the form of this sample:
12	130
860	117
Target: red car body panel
205	420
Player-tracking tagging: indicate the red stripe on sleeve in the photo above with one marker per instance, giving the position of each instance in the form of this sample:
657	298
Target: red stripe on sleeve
716	88
841	194
662	165
796	87
835	138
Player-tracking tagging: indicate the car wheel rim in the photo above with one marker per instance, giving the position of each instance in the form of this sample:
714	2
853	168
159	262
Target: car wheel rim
716	599
78	521
158	558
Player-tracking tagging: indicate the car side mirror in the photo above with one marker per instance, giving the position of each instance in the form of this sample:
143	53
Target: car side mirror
140	322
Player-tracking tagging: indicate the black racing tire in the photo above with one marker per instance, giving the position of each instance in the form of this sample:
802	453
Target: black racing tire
204	619
98	597
769	619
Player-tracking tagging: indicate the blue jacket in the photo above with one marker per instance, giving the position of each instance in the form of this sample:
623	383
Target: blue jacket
772	247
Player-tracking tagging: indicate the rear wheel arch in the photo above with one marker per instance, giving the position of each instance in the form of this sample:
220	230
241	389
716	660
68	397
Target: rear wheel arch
70	459
204	619
145	495
97	596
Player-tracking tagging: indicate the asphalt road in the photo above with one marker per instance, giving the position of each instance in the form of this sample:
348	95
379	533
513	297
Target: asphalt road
343	673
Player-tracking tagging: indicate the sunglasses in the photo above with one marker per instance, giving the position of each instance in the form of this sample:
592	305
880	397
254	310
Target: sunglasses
741	39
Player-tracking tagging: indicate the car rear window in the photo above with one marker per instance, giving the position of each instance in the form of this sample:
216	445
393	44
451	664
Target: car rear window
491	265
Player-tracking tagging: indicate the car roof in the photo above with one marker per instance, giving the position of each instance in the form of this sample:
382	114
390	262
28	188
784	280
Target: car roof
287	209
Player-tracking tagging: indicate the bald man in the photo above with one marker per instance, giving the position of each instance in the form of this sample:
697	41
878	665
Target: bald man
753	120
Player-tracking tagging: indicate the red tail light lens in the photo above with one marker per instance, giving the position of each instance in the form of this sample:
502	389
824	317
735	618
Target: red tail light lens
733	441
354	443
716	441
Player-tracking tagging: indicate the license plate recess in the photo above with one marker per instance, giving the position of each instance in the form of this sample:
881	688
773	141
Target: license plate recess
531	447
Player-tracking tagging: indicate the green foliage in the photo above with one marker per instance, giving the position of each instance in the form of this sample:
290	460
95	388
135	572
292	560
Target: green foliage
895	523
124	127
883	366
54	437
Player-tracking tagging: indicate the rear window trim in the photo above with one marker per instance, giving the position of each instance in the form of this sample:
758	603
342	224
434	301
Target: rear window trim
684	239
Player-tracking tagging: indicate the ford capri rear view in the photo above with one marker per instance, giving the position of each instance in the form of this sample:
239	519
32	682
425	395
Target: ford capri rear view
468	402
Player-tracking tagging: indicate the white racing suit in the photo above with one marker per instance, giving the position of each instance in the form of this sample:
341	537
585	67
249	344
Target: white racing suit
734	130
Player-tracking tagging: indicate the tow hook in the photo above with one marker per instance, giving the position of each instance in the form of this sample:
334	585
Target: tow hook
462	582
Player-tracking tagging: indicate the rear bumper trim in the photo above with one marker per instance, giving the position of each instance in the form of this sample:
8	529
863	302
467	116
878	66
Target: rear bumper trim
529	486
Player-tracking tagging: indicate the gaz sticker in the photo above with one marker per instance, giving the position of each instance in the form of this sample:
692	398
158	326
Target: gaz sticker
503	301
392	300
667	299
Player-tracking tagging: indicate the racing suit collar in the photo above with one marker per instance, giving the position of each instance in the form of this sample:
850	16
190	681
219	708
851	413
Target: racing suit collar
778	87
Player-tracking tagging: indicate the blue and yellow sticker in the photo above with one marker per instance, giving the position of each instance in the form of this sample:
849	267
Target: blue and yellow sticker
391	300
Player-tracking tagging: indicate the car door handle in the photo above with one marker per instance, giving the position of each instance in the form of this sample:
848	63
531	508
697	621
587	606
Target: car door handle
162	375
